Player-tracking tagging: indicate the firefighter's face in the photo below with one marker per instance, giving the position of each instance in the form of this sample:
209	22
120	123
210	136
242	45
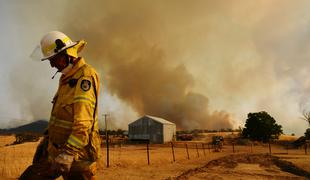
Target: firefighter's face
60	61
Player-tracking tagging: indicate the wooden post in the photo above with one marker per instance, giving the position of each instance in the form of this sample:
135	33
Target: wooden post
108	149
251	147
148	153
172	152
107	139
306	148
197	150
209	148
120	150
233	146
203	148
187	151
269	147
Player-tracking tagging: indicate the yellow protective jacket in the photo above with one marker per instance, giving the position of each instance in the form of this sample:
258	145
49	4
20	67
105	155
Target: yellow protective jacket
73	126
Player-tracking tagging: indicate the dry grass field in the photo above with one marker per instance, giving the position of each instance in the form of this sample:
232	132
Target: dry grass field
14	159
5	140
130	161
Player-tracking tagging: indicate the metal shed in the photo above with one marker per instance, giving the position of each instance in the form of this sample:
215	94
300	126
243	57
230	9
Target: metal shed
154	129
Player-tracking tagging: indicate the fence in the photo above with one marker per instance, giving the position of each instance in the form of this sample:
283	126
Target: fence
14	159
122	153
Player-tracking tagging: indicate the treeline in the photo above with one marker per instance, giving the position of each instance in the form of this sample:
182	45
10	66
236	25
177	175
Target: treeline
118	132
196	131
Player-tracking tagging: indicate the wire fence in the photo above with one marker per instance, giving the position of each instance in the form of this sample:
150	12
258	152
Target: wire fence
14	159
124	153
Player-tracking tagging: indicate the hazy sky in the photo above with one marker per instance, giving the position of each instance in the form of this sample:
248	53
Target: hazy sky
227	58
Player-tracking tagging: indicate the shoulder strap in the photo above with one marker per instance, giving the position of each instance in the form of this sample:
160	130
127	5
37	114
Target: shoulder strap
95	110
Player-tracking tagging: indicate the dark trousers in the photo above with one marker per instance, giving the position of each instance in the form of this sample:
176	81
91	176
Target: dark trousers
41	171
41	168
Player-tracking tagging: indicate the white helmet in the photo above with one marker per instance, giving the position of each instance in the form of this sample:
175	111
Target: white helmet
55	42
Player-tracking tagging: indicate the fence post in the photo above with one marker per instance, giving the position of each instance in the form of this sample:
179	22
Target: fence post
108	149
120	150
148	153
233	146
209	147
251	147
197	150
269	147
172	151
306	152
187	151
203	148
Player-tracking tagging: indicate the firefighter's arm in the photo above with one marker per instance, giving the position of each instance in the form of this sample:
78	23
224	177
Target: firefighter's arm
84	103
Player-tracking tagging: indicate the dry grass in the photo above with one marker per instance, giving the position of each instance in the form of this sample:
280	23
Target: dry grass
15	159
130	161
5	140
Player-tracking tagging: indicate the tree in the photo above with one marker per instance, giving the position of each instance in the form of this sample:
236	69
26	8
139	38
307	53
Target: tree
307	134
306	116
260	126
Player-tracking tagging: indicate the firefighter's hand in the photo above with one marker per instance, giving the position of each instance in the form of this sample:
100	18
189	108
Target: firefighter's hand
62	163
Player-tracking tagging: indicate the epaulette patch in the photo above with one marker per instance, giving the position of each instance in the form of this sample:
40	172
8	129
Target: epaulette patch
85	85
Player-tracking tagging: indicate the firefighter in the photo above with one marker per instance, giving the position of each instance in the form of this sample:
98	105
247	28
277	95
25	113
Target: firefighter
70	147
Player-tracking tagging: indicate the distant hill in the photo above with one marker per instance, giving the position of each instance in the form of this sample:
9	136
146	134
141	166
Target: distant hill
33	127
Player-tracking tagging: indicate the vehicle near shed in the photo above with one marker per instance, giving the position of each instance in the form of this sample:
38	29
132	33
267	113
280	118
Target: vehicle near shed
217	143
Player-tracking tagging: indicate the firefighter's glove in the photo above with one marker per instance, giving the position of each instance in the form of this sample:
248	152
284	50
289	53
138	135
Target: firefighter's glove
62	163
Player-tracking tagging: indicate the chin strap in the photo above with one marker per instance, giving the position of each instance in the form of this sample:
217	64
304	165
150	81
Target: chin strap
55	74
70	62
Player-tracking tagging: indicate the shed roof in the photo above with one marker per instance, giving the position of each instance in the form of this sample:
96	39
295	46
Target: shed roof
160	120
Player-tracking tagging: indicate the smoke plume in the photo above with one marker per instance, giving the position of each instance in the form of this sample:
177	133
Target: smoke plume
181	60
124	42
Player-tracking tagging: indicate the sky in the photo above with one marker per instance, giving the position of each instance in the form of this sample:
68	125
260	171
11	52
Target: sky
201	64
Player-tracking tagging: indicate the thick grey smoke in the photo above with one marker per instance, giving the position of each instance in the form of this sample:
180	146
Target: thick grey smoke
26	89
165	57
123	42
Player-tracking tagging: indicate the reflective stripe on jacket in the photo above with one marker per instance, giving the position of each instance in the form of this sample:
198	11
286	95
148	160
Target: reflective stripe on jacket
74	113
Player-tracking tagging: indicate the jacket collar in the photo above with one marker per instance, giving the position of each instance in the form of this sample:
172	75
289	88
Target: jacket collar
77	65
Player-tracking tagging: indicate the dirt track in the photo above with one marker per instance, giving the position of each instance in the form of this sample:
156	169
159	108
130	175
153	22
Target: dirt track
246	166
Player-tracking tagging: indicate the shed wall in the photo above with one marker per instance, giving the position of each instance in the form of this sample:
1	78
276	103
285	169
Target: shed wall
146	129
169	132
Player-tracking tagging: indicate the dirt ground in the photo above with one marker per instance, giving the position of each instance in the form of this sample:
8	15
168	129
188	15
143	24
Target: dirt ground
130	162
214	165
247	166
